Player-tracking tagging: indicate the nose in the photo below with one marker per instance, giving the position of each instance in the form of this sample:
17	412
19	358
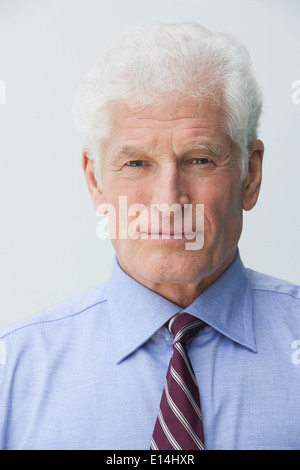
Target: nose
170	186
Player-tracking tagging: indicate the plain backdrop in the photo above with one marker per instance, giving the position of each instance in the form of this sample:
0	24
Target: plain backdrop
48	245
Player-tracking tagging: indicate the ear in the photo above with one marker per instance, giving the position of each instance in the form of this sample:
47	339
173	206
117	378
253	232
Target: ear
95	190
252	183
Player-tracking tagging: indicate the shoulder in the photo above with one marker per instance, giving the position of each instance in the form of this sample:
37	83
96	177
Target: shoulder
76	306
280	290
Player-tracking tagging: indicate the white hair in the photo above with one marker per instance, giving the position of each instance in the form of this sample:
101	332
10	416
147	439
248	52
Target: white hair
152	63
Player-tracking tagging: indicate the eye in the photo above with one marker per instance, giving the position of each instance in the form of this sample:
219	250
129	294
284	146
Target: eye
135	163
200	161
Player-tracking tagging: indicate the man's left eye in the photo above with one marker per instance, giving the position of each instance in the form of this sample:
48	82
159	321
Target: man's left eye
134	163
200	161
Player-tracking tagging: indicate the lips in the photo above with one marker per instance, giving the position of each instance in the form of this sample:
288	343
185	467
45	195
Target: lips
168	235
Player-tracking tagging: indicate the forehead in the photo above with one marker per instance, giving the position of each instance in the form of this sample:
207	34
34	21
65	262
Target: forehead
179	121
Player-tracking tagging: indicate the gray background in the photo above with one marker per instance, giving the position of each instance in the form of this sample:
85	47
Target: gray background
48	245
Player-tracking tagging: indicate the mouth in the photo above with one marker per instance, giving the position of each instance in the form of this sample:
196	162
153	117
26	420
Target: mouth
168	235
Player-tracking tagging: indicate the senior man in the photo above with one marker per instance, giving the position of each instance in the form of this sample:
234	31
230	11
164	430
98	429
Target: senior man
183	347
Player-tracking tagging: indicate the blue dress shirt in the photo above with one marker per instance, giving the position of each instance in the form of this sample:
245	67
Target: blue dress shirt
89	373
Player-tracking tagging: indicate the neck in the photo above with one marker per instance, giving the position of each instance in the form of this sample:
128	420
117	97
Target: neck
184	294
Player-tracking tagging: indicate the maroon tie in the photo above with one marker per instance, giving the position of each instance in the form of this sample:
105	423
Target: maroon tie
179	422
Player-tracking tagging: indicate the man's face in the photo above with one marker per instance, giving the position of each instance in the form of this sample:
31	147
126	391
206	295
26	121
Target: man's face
175	153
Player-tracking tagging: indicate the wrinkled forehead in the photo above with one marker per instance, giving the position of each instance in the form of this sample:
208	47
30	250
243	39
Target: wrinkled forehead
184	121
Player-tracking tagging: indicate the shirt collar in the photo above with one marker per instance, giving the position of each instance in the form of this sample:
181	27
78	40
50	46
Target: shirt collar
137	312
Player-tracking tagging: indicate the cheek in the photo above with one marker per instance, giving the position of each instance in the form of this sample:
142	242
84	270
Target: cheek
222	201
133	192
126	201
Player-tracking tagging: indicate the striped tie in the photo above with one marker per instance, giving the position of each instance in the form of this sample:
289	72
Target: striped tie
179	422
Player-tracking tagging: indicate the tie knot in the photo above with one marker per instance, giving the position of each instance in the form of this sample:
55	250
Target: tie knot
184	326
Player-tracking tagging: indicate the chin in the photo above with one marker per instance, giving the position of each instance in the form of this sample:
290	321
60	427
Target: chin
169	268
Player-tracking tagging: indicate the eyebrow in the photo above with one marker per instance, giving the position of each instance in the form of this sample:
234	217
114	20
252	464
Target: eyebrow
201	147
127	151
211	148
